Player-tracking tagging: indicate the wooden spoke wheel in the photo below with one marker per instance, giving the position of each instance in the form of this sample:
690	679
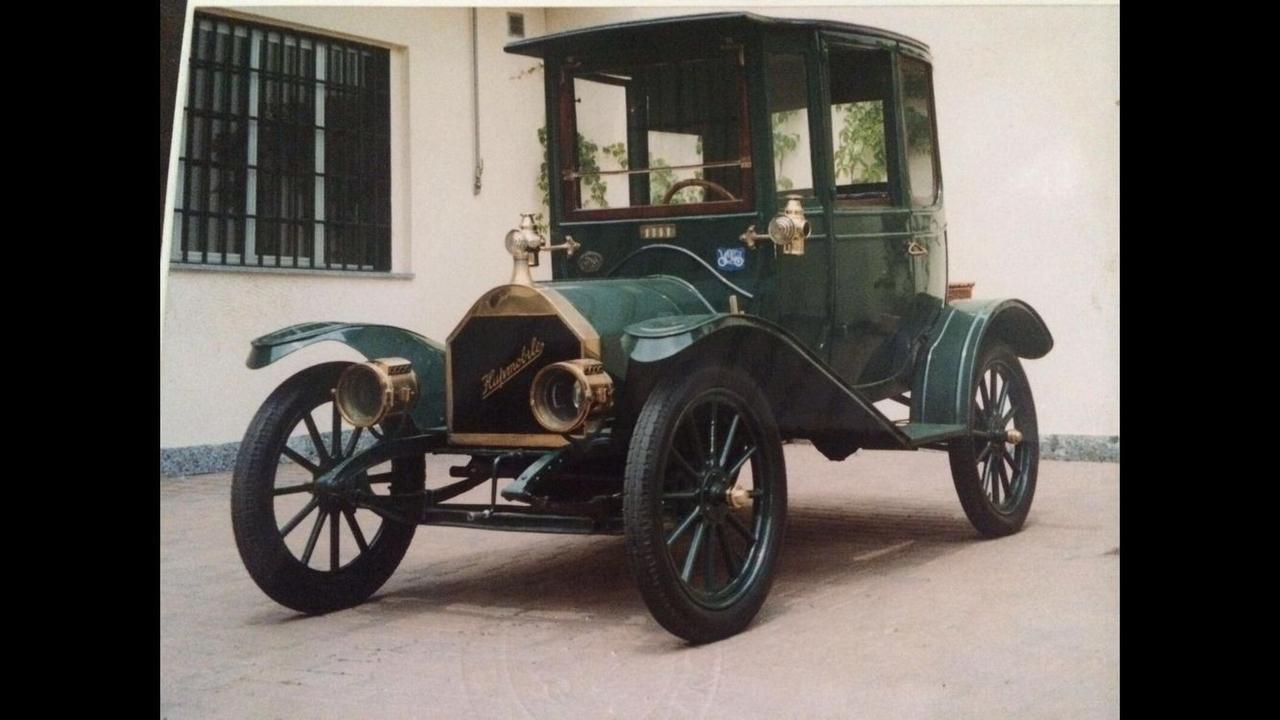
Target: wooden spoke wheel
309	550
995	469
705	502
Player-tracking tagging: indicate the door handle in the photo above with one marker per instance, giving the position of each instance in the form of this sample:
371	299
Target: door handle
915	249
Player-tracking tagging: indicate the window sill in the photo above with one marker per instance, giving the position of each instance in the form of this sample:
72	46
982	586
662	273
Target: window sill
255	270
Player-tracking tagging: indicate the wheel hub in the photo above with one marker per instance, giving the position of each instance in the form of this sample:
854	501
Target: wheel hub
338	497
329	501
996	433
719	494
716	485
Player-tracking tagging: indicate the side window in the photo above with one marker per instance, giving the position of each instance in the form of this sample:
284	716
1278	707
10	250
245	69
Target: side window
861	146
917	115
788	91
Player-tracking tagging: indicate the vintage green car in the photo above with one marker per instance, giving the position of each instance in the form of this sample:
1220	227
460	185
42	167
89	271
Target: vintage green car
752	251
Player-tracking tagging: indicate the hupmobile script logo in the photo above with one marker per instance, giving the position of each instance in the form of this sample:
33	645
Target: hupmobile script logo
496	378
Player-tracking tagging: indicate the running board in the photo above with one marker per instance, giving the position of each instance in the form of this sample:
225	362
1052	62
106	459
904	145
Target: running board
922	434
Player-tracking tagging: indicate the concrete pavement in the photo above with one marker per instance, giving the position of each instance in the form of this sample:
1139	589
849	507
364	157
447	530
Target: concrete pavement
887	605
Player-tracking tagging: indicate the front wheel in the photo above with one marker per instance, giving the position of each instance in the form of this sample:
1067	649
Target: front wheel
313	552
995	469
705	500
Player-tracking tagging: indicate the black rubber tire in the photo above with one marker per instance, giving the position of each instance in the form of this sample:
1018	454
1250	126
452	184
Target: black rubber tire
667	597
991	518
275	569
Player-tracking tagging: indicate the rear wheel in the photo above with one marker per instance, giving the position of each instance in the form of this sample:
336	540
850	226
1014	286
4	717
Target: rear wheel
705	502
995	469
307	551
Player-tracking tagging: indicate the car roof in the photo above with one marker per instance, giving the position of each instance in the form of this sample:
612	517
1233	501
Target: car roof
630	31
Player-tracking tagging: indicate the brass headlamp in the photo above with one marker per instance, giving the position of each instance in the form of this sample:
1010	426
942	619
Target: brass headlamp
570	396
371	392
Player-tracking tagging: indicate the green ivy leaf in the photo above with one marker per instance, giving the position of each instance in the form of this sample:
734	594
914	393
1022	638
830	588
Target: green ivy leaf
784	143
860	154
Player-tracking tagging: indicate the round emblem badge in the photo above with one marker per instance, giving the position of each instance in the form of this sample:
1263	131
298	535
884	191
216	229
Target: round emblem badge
590	261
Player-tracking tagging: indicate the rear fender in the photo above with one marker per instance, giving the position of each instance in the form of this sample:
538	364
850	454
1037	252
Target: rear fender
807	398
372	341
943	377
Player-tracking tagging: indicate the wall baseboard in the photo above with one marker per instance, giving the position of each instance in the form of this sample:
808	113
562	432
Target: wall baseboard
197	459
203	459
1090	448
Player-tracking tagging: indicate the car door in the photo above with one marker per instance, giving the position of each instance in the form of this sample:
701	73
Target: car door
797	292
874	275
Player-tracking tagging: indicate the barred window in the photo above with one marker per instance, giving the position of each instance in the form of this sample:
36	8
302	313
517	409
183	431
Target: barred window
286	151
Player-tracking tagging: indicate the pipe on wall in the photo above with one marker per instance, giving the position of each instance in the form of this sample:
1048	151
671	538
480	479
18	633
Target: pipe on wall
475	103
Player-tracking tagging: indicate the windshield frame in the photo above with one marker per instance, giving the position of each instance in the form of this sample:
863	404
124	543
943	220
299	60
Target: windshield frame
567	172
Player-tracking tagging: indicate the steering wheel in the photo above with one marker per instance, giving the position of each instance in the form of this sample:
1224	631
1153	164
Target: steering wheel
677	187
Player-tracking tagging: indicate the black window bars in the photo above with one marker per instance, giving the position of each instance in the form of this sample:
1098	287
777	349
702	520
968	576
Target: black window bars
286	151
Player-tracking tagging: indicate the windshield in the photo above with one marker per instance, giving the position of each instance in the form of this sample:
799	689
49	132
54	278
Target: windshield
658	138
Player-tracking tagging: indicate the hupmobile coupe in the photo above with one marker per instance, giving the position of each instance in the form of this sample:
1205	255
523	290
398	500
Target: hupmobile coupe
748	247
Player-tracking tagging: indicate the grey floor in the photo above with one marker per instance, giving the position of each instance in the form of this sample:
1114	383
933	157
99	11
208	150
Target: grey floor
887	605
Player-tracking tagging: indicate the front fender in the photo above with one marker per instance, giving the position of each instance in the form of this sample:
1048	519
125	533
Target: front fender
372	341
943	378
807	397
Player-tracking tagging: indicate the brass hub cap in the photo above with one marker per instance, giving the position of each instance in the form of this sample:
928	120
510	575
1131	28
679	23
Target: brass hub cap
719	494
997	433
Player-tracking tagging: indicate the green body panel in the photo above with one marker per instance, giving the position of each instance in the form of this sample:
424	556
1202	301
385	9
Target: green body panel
372	341
614	304
675	325
942	387
661	338
701	234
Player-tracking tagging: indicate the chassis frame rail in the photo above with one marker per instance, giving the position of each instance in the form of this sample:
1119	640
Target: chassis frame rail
429	507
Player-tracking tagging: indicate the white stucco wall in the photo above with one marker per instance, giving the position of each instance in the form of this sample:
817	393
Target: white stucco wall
1028	115
448	238
1029	128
